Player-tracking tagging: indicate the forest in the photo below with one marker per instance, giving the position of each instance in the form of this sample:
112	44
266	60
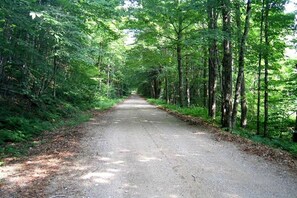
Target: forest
232	63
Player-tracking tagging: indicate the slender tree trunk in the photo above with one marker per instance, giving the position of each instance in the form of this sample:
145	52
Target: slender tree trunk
99	63
108	80
187	68
55	76
266	62
243	120
260	70
227	67
212	61
180	70
205	91
156	86
1	68
240	74
295	131
166	89
152	90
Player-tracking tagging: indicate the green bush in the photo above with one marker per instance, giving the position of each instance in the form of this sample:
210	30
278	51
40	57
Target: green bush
11	136
17	125
274	140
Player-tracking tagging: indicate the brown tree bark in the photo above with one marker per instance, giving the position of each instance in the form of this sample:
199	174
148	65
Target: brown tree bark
295	129
212	60
180	67
260	70
205	91
187	79
266	65
240	74
227	67
243	101
166	89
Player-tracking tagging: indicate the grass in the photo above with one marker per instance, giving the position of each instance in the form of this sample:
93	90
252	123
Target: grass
18	128
283	143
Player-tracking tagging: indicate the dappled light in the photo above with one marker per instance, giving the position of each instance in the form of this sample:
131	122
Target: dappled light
148	159
148	98
140	156
200	133
23	175
100	177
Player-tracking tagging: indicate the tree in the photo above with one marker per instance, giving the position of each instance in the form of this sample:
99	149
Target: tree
213	58
190	31
240	81
180	16
226	66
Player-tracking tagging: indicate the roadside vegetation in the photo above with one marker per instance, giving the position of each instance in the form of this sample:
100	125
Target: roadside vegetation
232	63
58	60
284	142
19	126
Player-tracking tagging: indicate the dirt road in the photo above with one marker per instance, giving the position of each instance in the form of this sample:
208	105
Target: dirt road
139	151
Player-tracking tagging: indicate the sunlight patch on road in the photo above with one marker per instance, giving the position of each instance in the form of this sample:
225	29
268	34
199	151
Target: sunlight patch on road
125	151
35	169
118	162
232	195
126	185
99	177
105	159
113	170
148	159
135	106
200	133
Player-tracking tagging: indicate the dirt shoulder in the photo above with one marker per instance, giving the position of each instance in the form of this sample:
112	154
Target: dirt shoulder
28	176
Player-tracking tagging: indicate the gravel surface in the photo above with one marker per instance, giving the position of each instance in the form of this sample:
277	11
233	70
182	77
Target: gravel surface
137	150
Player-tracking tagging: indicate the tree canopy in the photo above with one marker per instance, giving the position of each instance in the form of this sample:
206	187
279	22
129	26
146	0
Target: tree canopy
227	57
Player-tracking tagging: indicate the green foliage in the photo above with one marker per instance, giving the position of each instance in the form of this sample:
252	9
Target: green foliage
281	143
17	132
103	103
57	59
194	111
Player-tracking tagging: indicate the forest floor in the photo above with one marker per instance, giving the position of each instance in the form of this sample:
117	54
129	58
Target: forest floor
137	150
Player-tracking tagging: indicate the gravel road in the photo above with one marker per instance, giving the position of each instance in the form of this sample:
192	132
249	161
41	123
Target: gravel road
137	150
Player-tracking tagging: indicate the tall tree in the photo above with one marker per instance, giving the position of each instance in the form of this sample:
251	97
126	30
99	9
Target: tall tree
266	63
226	66
260	68
213	57
240	83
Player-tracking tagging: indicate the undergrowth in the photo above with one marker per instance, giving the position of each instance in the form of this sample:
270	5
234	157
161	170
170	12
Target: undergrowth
283	142
19	125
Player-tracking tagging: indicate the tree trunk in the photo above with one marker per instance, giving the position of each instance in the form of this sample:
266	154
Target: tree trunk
240	74
180	70
212	61
204	80
108	81
166	90
266	62
227	67
243	120
55	75
260	70
295	131
157	89
187	68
